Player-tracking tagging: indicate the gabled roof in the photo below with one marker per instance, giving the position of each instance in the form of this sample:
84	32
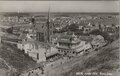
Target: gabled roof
99	37
86	38
67	39
22	36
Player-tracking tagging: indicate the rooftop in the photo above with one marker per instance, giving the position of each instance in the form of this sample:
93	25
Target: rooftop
68	39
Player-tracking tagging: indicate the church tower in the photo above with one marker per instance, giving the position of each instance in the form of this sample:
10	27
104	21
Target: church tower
44	29
49	27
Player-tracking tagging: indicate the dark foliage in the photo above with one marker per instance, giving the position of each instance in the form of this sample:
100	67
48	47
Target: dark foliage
73	27
10	30
104	34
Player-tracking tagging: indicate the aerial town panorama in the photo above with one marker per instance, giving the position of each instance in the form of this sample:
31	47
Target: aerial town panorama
59	44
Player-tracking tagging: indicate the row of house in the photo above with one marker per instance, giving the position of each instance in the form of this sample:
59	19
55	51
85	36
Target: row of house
8	19
21	19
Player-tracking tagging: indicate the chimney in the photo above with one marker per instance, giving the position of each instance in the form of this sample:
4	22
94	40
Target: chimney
33	21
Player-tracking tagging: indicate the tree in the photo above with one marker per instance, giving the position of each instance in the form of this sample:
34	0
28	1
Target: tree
104	34
95	32
9	30
73	27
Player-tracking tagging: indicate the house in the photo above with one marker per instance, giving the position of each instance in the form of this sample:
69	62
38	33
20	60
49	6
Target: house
54	38
35	50
98	41
39	51
41	32
71	45
51	51
90	26
87	30
22	38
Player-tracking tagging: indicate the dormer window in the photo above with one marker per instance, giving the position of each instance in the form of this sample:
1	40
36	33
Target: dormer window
43	26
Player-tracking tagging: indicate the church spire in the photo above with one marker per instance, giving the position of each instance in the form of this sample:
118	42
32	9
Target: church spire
49	14
48	24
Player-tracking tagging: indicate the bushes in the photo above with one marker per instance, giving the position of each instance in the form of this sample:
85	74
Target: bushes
104	34
73	27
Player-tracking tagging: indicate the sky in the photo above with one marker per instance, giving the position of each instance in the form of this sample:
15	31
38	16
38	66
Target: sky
59	6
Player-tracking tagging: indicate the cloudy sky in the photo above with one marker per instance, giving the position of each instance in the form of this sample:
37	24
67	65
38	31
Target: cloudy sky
59	6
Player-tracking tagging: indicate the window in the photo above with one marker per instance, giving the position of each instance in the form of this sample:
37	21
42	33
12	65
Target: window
37	55
40	37
73	52
59	50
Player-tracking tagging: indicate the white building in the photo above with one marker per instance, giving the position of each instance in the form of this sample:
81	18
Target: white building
71	45
39	51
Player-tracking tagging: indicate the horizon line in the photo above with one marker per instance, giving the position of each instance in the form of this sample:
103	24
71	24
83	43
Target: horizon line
60	12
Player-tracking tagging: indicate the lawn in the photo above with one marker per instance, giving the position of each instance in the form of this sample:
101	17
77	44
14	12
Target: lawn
16	58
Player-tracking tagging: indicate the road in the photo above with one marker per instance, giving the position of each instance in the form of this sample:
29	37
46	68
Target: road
65	67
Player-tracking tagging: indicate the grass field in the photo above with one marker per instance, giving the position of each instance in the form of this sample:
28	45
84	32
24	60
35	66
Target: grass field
16	58
105	60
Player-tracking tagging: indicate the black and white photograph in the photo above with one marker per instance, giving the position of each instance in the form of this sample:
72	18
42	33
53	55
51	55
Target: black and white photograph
59	38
